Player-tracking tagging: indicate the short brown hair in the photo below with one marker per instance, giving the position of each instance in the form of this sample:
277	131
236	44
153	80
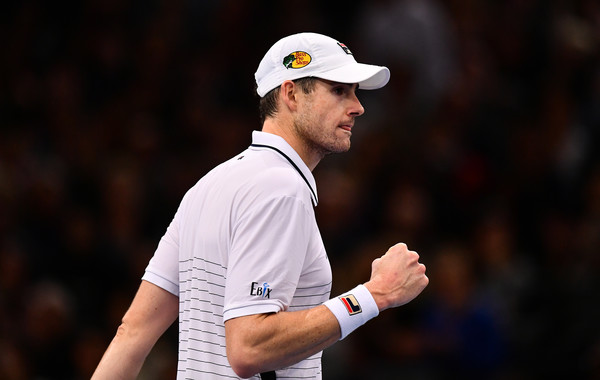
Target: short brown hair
267	106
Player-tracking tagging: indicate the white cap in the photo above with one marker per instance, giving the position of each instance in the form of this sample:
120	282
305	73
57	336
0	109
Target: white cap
315	55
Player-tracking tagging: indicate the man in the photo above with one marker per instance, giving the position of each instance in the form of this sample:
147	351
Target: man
242	263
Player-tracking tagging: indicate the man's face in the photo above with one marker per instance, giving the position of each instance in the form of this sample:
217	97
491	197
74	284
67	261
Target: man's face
326	116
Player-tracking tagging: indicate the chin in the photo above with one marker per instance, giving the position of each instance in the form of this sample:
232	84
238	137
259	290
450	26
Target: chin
341	149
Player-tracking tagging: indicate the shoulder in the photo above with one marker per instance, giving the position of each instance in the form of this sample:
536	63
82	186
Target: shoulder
266	175
253	177
277	181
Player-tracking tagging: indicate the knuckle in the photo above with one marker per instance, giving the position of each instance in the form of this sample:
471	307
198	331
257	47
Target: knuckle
399	247
425	280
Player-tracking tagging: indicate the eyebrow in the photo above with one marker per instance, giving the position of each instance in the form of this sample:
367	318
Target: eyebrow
333	83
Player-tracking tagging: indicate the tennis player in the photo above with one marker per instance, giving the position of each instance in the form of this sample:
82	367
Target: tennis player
242	263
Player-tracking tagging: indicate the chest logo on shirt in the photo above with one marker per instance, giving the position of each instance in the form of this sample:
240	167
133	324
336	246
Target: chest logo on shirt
260	291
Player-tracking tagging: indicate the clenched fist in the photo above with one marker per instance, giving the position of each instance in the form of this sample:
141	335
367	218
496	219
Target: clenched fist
396	277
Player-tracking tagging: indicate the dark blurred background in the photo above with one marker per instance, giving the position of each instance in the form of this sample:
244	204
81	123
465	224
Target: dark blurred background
482	154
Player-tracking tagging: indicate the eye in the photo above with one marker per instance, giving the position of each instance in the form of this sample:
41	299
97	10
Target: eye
339	90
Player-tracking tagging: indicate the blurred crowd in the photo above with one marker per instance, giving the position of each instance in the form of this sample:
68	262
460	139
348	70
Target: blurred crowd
482	154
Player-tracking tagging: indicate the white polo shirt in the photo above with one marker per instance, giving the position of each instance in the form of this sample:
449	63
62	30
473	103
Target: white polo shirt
243	241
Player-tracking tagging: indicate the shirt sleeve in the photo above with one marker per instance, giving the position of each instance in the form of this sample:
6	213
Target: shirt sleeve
163	268
268	249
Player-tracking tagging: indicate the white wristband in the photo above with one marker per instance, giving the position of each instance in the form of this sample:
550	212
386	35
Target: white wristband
353	309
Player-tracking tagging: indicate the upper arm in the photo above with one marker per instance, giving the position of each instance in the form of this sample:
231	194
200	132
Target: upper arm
264	342
268	250
163	268
152	311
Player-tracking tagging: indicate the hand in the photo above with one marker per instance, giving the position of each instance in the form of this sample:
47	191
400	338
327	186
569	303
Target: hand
396	277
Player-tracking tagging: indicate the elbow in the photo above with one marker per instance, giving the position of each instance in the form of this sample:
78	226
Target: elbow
243	361
126	329
123	332
247	345
243	371
129	335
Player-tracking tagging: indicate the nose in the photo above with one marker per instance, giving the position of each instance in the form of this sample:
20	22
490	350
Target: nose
356	108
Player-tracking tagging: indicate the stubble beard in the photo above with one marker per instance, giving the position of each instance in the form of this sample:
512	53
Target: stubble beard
317	140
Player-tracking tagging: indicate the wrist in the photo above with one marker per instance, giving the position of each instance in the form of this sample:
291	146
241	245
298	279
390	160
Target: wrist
378	296
353	309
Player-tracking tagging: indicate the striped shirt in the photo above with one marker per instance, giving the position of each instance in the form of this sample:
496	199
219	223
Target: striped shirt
243	241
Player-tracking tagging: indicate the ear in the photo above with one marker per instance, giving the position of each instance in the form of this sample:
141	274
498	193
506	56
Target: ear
288	94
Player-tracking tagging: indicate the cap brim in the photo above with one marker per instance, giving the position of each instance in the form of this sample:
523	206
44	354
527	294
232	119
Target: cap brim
368	77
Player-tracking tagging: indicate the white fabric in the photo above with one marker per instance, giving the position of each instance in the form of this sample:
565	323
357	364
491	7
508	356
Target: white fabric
249	224
353	309
315	55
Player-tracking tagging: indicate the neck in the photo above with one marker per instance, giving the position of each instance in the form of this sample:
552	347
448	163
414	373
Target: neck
285	131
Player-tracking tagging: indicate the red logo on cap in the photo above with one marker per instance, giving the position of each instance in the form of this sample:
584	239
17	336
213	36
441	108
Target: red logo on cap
344	48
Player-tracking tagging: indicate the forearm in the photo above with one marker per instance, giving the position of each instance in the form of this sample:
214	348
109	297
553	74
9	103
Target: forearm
269	341
152	311
123	359
264	342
